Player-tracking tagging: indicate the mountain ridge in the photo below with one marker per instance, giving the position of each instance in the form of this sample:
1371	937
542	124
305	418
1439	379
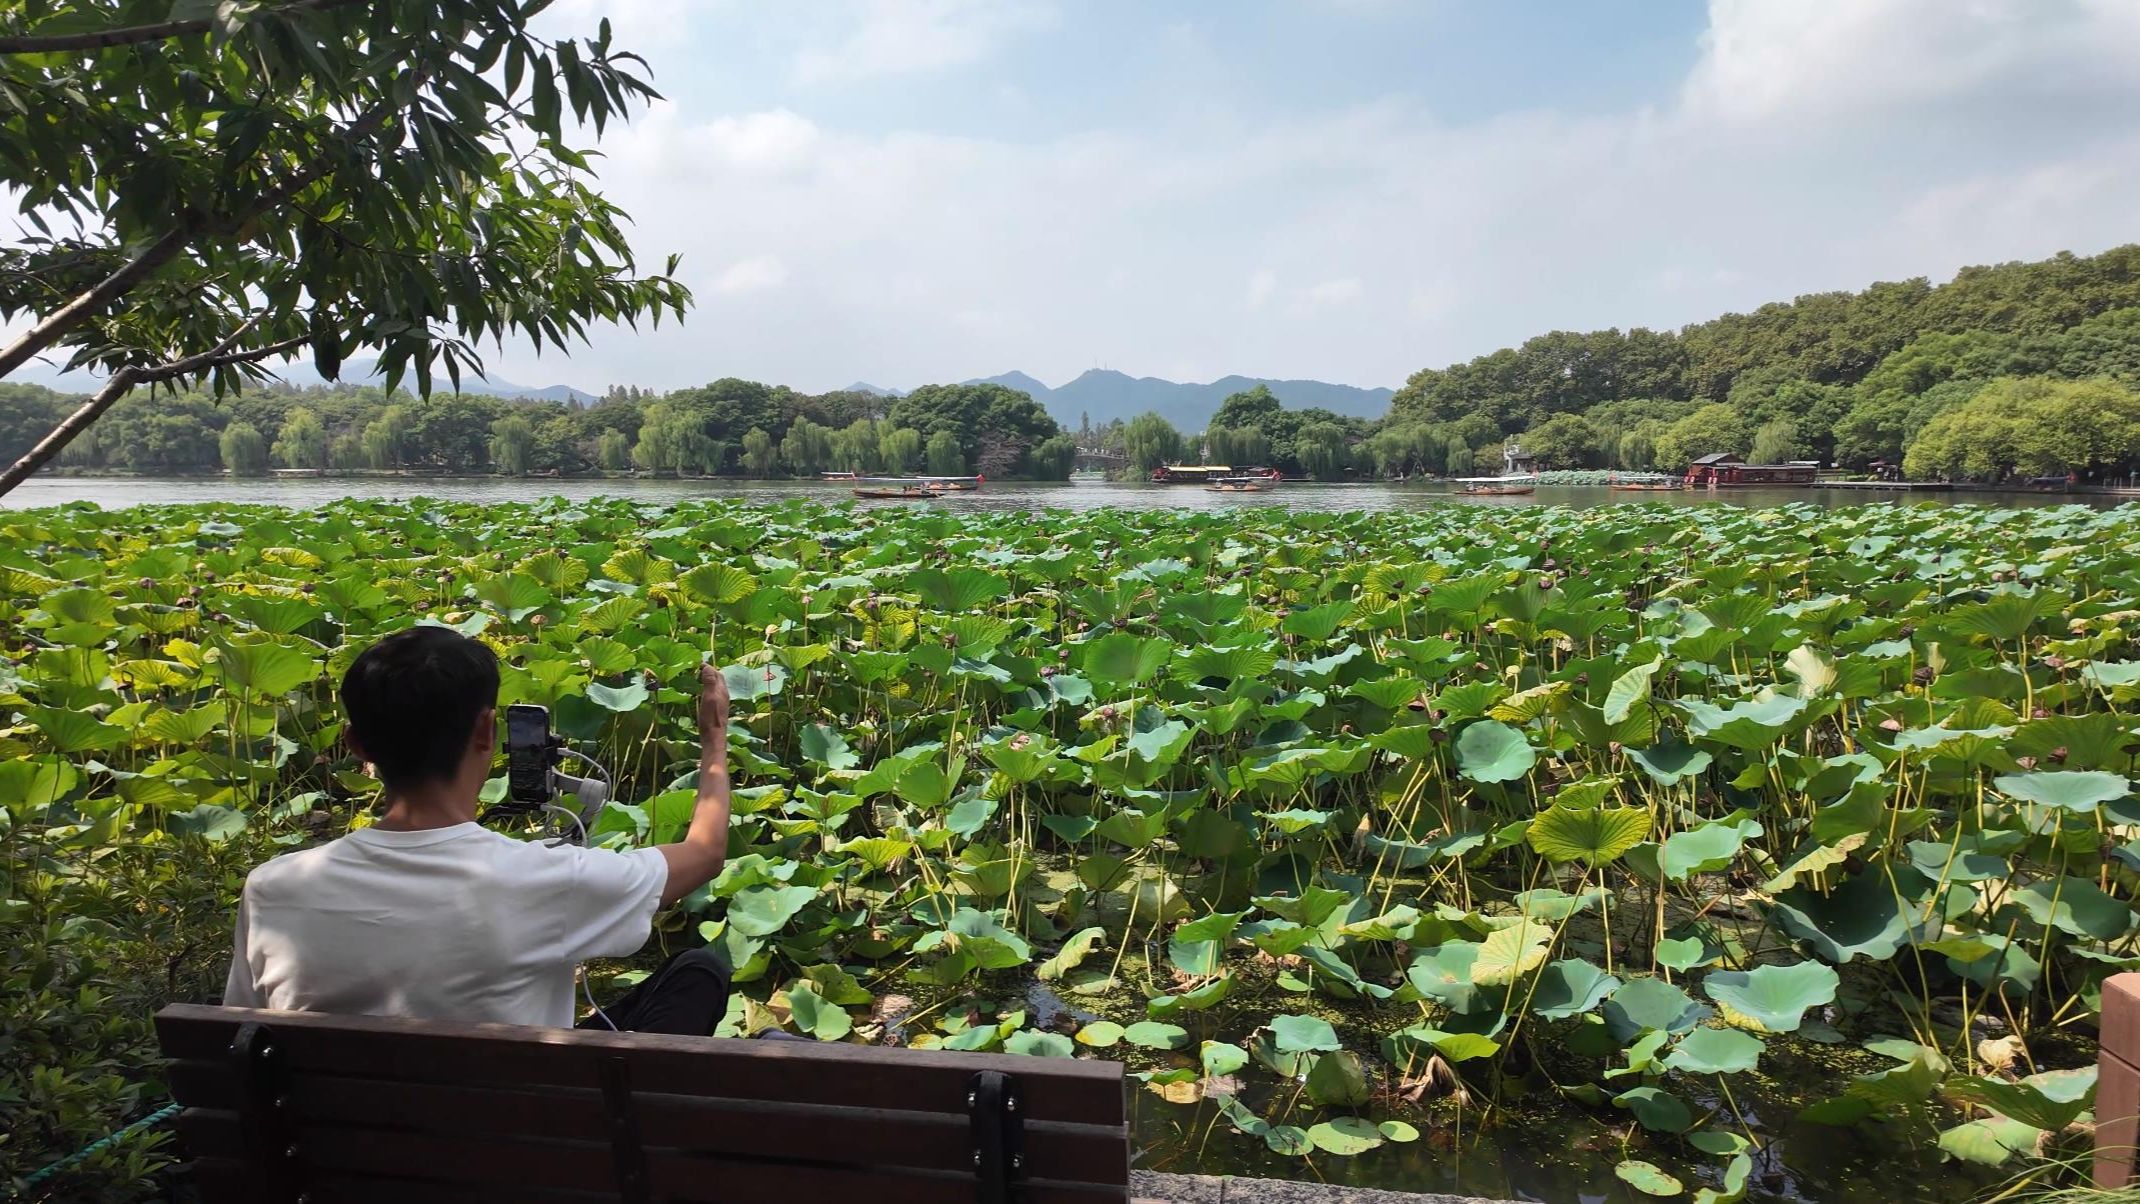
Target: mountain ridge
1101	393
356	372
1105	395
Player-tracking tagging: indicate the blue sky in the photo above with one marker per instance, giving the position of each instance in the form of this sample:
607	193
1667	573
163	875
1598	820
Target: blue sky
905	191
1049	72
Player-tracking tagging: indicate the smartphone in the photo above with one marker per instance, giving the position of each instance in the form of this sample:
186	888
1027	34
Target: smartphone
529	753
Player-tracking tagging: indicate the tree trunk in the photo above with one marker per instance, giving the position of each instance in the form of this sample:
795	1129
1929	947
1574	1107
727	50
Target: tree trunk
123	381
63	434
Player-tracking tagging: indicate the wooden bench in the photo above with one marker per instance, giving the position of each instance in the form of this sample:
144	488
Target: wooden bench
2117	1082
296	1108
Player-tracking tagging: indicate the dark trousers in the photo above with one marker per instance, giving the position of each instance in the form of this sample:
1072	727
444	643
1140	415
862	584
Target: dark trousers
687	997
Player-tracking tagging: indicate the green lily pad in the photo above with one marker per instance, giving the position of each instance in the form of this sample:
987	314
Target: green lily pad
1672	761
765	910
1492	751
1345	1136
815	1016
1100	1034
1714	1051
1302	1034
2076	906
1035	1043
1772	999
1153	1035
1703	850
1219	1058
1650	1004
1289	1140
1571	987
1595	836
1656	1109
1647	1178
1338	1080
2069	790
1863	917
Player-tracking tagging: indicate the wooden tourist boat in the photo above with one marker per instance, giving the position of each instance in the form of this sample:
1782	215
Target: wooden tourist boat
910	493
1496	486
928	486
1238	485
1207	474
1723	470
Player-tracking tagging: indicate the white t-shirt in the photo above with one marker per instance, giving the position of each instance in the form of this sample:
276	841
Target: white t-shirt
458	923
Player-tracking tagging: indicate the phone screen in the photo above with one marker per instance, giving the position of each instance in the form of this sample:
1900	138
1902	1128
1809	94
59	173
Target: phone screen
527	753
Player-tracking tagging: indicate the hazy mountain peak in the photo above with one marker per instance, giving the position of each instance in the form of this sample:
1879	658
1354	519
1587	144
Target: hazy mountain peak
1105	394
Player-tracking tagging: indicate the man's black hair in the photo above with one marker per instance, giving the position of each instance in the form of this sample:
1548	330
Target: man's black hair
413	700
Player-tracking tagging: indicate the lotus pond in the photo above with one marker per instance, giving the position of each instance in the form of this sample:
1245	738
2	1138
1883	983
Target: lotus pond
1622	852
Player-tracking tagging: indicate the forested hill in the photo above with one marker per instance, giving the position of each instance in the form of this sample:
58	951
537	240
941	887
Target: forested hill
1853	376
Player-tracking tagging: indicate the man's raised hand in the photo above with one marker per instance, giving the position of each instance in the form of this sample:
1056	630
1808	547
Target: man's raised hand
712	701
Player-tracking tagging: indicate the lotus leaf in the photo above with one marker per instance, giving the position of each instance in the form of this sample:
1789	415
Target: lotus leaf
1643	1004
1714	1051
1345	1136
1298	1034
1658	1110
1772	999
1647	1178
1338	1080
1596	836
1039	1044
1153	1035
1570	988
1492	751
815	1016
2067	790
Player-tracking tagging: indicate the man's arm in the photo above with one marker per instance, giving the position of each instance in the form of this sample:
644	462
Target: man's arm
694	860
239	989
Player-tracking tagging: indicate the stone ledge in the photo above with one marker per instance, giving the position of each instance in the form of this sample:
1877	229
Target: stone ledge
1147	1187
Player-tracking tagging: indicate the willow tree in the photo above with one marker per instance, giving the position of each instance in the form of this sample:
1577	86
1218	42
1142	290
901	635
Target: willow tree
209	186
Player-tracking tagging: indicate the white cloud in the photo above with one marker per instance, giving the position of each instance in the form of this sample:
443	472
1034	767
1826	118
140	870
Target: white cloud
1328	294
899	37
1763	59
753	275
757	143
1811	146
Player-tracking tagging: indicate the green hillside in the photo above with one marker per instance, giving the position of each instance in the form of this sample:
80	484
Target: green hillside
1849	377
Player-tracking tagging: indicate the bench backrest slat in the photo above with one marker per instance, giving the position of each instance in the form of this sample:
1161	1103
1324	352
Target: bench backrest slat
477	1108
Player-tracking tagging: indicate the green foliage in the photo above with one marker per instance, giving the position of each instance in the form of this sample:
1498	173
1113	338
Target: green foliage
1713	428
1854	377
244	452
1150	441
2031	427
289	162
944	456
690	432
1234	786
512	445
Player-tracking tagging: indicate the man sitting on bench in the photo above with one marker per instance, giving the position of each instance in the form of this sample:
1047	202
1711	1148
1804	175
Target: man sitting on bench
428	914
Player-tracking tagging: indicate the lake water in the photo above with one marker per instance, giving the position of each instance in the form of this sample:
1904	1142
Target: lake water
116	492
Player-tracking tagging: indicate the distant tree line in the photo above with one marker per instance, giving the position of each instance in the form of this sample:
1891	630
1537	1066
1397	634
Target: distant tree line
728	428
2023	369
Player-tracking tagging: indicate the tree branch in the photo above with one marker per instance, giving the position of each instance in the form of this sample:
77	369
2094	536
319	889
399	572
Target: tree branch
152	258
123	381
134	35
